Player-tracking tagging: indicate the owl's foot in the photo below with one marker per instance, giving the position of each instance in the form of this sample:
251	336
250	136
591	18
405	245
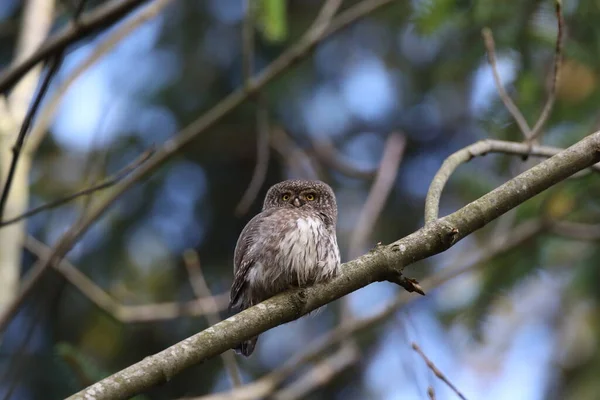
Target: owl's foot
410	284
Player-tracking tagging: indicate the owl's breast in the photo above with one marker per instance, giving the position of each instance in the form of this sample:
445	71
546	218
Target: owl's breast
308	252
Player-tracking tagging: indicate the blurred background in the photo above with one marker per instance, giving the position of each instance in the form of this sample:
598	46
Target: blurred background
522	323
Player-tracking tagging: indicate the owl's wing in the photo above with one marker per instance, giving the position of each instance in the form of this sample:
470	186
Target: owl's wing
244	257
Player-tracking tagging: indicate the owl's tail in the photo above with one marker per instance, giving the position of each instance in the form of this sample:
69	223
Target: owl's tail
246	348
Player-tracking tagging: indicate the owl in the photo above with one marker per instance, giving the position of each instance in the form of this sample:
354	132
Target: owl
290	243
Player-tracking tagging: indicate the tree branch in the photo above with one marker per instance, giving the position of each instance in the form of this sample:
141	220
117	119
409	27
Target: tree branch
384	182
87	191
436	371
377	265
537	128
201	290
464	155
488	39
102	16
127	313
317	347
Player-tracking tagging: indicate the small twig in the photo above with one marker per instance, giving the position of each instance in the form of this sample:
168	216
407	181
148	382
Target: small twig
248	41
431	393
299	163
436	371
464	155
537	129
103	185
127	313
380	190
488	39
327	154
575	230
262	159
320	374
323	20
52	68
78	9
201	290
89	23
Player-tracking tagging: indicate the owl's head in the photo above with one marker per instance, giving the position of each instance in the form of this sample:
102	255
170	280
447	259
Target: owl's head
299	193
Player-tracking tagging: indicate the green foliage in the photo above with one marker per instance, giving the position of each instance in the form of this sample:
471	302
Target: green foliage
271	17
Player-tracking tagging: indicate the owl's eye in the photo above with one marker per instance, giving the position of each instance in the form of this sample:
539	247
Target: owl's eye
310	197
285	197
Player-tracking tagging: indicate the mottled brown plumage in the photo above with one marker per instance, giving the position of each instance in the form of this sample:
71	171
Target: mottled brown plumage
291	243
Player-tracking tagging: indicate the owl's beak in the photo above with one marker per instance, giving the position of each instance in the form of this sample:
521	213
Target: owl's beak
296	202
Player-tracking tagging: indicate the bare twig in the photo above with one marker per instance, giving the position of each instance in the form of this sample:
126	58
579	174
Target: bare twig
381	189
300	164
102	16
436	371
206	121
111	181
575	230
127	313
537	129
106	45
262	159
320	374
79	7
327	154
488	39
53	67
248	41
464	155
201	290
431	393
323	19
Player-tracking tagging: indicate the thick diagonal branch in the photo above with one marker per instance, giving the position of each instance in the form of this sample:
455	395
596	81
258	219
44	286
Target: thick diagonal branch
432	239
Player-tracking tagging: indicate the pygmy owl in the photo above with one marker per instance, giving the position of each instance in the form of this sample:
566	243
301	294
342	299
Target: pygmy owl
290	243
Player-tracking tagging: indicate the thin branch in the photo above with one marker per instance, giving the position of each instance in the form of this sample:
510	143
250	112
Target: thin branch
300	163
537	129
248	41
88	23
381	189
53	67
127	313
78	10
432	239
431	393
111	181
172	146
201	290
488	39
327	154
575	230
464	155
320	374
262	159
106	45
436	371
